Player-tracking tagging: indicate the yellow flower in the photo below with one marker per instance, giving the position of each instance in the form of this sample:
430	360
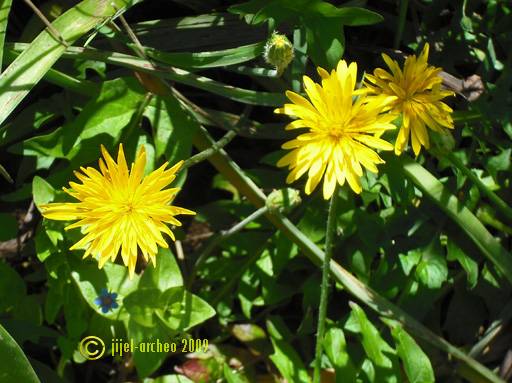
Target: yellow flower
342	131
120	209
418	94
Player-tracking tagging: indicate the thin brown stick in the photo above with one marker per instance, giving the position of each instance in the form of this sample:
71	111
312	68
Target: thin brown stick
55	33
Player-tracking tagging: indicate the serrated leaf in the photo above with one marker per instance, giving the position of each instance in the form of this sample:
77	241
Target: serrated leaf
336	349
416	363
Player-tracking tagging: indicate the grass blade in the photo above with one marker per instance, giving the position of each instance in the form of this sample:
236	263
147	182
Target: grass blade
212	59
460	214
26	71
5	7
245	96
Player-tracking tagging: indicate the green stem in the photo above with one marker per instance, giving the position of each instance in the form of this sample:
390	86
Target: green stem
500	205
324	289
199	157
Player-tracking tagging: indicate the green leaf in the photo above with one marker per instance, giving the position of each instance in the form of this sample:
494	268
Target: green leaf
90	280
432	269
326	41
142	305
165	275
416	364
352	16
285	358
499	163
147	362
42	191
5	7
26	71
15	366
176	308
210	59
456	211
469	265
173	128
336	349
183	310
263	10
375	347
101	121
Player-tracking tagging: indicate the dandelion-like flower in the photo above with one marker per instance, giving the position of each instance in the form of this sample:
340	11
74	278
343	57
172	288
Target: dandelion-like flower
120	210
107	301
343	131
418	94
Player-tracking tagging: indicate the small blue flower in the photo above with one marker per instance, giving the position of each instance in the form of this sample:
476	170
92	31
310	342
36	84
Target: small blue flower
106	300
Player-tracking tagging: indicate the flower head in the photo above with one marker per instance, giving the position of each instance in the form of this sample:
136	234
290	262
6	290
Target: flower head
120	210
106	301
342	131
278	52
418	94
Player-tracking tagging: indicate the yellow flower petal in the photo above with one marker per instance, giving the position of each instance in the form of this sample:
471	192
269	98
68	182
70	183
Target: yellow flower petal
120	210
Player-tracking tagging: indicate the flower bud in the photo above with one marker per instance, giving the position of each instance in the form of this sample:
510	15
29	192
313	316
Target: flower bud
278	52
283	200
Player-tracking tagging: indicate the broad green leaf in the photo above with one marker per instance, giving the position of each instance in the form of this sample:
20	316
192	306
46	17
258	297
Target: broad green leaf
326	41
335	347
183	310
210	59
165	275
176	308
15	366
5	7
90	280
26	71
432	269
460	214
285	358
416	364
42	191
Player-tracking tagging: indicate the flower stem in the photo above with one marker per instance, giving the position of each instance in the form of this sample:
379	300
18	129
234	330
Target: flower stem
324	289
